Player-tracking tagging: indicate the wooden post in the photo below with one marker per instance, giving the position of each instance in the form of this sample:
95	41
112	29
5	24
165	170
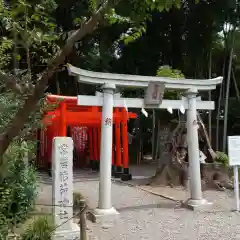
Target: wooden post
126	174
82	220
95	149
118	145
99	141
63	126
90	136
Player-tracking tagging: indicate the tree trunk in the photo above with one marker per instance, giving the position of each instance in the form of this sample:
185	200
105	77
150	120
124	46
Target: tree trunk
227	96
170	171
236	86
219	105
29	71
210	97
208	141
15	52
153	135
33	98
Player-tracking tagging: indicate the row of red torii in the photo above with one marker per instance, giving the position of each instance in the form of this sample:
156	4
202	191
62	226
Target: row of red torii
83	124
109	98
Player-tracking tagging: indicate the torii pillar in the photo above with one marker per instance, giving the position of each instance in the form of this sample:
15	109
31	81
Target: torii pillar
105	208
196	199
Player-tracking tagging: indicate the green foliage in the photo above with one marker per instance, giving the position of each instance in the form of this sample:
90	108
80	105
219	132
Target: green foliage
112	17
133	34
222	158
30	27
139	13
41	229
9	104
167	71
77	198
3	227
18	187
5	57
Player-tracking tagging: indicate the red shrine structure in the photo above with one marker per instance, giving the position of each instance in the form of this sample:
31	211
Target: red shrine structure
83	124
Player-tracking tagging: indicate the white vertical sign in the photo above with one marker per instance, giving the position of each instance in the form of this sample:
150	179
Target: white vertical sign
62	159
234	160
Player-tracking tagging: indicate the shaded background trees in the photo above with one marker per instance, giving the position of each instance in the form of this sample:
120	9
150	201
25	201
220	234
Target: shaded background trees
194	38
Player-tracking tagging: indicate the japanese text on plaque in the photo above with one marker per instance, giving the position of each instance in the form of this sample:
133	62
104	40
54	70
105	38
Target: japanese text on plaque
63	180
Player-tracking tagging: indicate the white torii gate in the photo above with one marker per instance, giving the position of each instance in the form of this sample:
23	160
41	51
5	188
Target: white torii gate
109	83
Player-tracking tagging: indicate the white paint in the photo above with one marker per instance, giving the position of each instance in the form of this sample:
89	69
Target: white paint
104	214
139	103
193	148
234	150
136	81
144	112
198	98
125	105
236	187
202	157
116	95
169	109
62	159
182	109
104	203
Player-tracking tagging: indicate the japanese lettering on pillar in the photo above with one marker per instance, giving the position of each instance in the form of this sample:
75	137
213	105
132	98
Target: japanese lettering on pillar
108	122
63	181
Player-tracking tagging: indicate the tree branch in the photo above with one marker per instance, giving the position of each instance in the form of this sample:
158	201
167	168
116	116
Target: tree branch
11	83
33	98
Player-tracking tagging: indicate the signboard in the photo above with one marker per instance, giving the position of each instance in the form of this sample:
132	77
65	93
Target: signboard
234	160
234	150
154	93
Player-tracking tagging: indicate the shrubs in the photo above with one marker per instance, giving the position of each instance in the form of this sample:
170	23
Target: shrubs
18	189
41	229
77	201
222	158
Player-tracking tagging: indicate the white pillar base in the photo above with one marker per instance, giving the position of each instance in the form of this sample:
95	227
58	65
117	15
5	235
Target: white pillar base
197	205
100	215
71	234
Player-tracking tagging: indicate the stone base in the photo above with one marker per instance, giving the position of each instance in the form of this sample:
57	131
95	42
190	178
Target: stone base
197	205
119	172
95	165
91	162
73	234
103	215
49	169
126	176
113	170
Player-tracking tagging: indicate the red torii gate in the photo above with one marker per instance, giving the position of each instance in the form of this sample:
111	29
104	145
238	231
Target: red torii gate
69	114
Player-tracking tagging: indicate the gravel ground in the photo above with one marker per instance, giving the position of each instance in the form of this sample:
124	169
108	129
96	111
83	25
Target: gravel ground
145	216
